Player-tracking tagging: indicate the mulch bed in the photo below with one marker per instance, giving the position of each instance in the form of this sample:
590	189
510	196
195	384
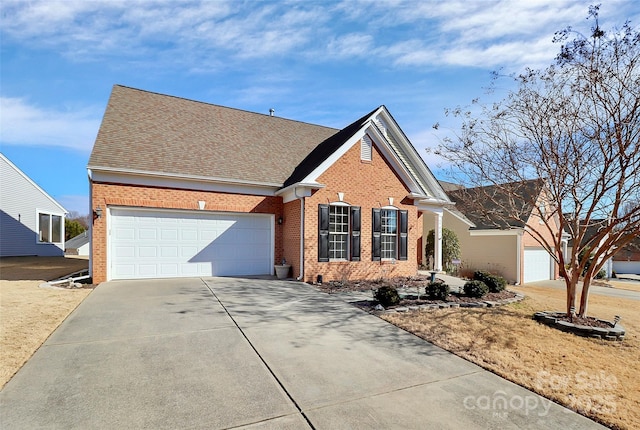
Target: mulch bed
586	321
411	284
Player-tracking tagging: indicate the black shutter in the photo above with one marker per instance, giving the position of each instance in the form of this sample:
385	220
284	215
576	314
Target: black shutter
323	233
403	238
355	233
375	240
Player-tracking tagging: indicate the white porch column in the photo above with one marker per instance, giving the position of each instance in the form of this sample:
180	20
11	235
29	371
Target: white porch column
437	251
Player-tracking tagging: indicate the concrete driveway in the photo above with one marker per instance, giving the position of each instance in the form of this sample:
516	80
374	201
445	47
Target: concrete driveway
221	353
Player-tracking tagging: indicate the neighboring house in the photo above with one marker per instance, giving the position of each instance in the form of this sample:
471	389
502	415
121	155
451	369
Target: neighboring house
590	231
493	245
31	221
183	188
627	259
78	245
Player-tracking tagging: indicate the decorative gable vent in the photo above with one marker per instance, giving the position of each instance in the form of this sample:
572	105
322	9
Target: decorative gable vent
365	148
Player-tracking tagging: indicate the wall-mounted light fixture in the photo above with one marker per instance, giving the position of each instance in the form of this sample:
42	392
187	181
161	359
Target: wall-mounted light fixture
280	220
341	197
97	213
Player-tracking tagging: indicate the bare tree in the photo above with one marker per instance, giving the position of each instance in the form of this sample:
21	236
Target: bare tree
574	125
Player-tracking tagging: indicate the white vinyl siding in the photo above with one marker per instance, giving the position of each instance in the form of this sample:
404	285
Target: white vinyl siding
21	200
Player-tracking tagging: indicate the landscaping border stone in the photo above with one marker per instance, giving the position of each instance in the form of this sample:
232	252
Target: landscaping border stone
616	332
431	306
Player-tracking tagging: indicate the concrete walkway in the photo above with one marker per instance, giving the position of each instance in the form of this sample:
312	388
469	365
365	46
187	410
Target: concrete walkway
224	353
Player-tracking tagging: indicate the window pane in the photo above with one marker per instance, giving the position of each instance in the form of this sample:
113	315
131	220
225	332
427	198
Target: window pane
338	232
56	228
389	230
44	220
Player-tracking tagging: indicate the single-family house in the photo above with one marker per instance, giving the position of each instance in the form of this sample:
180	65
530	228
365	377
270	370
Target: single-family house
31	221
78	245
500	245
627	259
184	188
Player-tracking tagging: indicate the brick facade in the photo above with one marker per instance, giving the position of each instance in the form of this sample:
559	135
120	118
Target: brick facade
368	185
365	184
108	195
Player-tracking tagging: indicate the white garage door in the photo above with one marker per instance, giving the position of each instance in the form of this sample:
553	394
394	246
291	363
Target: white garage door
627	267
537	265
171	244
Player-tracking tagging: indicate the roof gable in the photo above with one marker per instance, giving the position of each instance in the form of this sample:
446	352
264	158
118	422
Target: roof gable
391	142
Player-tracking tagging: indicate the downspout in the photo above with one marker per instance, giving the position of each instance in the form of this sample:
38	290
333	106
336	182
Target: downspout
295	192
89	174
519	254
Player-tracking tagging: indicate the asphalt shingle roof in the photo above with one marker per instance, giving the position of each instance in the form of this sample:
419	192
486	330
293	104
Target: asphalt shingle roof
143	131
487	206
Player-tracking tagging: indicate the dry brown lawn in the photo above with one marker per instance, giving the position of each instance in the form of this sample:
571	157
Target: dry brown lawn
631	286
28	315
599	379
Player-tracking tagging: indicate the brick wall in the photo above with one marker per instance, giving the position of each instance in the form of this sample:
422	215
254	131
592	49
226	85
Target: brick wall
105	195
368	185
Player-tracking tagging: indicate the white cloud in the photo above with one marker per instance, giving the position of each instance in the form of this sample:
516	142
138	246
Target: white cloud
27	125
193	34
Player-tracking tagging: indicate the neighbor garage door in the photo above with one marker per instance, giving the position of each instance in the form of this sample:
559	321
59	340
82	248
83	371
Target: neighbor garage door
537	265
627	267
170	244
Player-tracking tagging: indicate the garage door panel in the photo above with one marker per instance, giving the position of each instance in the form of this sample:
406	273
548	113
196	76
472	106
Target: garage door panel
158	243
537	265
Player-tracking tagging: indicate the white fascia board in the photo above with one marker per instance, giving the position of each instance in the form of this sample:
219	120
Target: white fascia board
416	160
298	190
182	182
461	218
496	232
28	179
381	143
315	174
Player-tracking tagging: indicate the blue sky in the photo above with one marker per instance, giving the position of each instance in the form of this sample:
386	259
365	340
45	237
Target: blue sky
323	62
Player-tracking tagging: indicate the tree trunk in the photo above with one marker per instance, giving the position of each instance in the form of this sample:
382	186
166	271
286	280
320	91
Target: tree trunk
571	295
584	296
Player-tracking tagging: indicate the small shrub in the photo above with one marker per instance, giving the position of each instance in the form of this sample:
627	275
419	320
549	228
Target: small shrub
437	290
495	283
475	288
387	296
601	274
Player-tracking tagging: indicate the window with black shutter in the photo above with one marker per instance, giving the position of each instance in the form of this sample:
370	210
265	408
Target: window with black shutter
390	234
338	232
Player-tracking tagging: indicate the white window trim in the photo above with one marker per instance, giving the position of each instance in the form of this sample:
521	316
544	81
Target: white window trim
347	234
50	213
395	209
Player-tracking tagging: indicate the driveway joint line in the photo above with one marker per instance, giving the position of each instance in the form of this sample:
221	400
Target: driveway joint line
395	390
261	358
